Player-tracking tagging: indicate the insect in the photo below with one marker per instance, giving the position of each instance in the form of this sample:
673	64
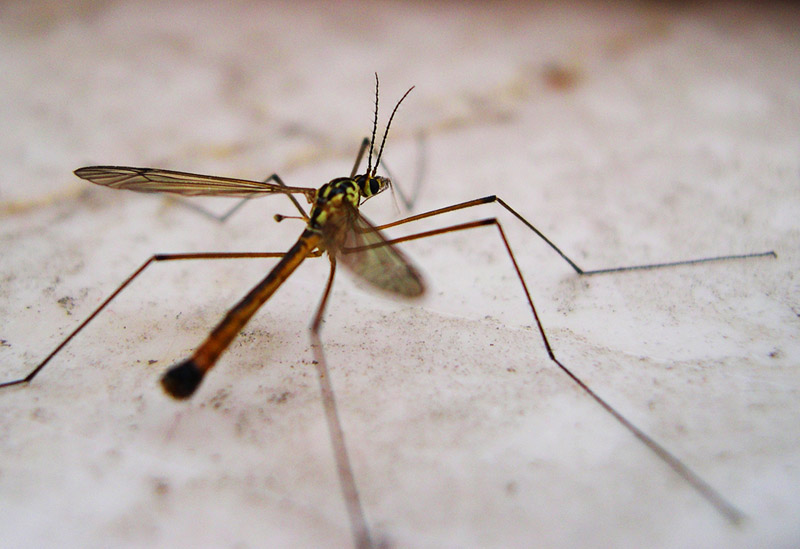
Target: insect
335	226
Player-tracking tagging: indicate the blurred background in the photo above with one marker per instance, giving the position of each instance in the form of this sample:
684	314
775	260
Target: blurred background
627	133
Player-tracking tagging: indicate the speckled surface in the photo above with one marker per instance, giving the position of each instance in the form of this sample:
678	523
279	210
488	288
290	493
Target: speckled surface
626	135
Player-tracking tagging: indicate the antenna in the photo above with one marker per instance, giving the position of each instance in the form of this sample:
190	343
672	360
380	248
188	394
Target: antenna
374	129
386	132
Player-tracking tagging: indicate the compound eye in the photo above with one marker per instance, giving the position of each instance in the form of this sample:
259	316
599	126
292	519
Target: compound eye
374	186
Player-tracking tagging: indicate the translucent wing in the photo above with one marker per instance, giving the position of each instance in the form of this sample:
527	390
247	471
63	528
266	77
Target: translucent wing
151	180
367	254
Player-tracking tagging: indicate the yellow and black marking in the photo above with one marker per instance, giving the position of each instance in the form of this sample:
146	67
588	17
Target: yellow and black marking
334	216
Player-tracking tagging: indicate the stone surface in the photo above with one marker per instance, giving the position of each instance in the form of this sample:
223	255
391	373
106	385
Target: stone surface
627	135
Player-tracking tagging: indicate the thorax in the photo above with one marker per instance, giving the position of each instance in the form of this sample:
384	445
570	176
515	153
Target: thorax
335	205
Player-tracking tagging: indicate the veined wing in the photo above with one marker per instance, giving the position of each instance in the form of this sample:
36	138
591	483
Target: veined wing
367	254
151	180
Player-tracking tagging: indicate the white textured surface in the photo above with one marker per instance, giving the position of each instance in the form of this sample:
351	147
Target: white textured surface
675	137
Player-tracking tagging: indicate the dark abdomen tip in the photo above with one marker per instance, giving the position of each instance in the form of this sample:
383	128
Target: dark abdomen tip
182	380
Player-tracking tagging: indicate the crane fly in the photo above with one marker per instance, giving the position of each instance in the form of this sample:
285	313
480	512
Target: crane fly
335	226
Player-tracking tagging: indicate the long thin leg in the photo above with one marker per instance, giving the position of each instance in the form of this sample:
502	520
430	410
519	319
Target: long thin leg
580	271
410	199
702	487
357	522
222	218
361	150
276	178
154	259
